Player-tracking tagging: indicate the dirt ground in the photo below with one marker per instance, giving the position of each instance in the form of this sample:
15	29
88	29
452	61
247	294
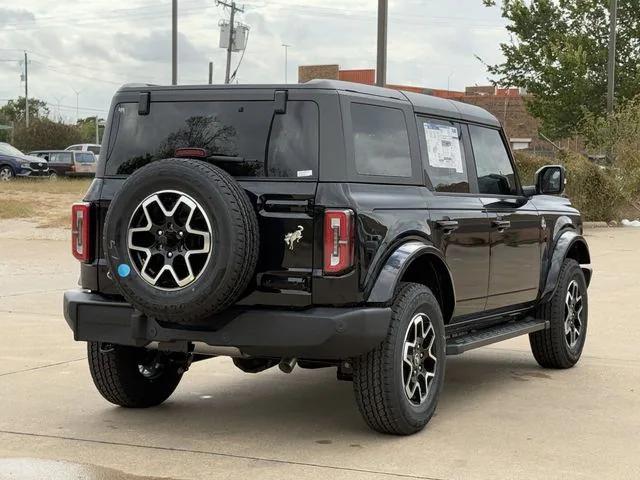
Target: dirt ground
46	203
500	416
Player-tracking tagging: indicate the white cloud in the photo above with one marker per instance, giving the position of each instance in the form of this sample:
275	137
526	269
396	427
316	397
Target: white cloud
83	46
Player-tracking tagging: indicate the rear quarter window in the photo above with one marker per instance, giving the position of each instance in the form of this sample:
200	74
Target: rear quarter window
380	141
246	138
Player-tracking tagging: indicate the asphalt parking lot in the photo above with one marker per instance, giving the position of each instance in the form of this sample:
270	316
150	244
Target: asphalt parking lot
500	416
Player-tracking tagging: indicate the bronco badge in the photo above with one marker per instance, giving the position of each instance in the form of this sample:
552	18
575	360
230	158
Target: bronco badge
291	238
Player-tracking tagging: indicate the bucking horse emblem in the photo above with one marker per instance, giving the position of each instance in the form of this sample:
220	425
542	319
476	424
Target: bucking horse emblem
292	238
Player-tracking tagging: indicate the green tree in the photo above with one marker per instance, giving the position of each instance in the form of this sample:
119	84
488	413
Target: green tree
558	53
87	127
14	110
45	134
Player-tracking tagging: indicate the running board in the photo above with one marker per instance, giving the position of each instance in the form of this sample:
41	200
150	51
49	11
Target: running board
494	334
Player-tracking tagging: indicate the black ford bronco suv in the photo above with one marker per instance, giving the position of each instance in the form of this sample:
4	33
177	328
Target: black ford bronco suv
327	224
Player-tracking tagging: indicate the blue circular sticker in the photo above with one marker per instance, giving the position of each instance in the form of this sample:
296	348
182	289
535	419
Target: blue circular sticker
124	270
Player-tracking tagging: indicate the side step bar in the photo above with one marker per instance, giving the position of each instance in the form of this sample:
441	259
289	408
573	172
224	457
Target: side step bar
494	334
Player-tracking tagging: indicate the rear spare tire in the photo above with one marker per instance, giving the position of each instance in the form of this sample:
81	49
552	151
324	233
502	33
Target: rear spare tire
181	240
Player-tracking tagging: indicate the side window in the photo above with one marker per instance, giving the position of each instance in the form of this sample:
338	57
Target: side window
445	158
75	148
293	144
62	157
380	141
495	172
95	150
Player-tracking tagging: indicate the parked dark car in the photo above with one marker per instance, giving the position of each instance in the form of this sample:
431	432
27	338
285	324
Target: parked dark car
14	163
323	224
65	163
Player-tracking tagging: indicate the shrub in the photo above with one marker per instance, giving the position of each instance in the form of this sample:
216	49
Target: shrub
593	190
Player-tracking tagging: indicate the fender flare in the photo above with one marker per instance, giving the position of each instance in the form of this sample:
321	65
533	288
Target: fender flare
397	264
568	240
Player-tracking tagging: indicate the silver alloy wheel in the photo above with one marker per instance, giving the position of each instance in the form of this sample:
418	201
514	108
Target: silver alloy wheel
419	359
6	174
573	307
169	240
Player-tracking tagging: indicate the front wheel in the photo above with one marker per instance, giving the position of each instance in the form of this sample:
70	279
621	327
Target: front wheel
397	385
133	377
560	346
6	173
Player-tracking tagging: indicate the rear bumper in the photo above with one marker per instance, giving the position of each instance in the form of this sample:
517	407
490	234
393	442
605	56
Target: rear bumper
322	333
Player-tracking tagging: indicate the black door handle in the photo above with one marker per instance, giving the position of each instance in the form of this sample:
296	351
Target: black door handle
447	226
501	225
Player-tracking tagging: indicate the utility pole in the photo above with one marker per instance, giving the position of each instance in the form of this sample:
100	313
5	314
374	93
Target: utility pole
26	89
286	55
210	73
174	42
232	30
611	68
381	69
97	131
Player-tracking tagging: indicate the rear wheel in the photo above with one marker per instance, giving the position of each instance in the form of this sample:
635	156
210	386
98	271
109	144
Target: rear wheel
397	385
6	173
53	176
133	377
560	346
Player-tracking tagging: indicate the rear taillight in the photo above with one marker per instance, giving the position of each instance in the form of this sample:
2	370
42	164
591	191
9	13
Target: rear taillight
338	241
80	222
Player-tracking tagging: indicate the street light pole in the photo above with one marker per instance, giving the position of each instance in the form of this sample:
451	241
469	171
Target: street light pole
26	89
174	42
611	67
77	92
381	68
286	52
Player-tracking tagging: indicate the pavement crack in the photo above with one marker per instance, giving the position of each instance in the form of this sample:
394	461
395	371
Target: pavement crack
41	367
220	454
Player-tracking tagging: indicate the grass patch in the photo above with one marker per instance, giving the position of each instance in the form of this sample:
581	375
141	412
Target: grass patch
73	186
16	209
45	202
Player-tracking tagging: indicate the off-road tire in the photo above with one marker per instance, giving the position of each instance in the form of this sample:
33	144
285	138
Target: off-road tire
377	375
234	242
549	347
116	375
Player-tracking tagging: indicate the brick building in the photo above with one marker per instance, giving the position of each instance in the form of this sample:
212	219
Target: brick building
507	104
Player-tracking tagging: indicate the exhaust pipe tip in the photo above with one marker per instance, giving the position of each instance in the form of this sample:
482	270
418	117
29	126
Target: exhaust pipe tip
287	365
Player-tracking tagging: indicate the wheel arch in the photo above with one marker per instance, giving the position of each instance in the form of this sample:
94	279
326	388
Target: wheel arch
416	262
570	244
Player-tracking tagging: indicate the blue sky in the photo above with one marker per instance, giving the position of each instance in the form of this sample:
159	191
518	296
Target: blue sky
93	47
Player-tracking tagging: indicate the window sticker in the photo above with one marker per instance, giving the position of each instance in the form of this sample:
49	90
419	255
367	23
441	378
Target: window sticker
443	146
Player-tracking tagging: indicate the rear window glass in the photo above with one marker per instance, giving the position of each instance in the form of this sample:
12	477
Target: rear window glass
61	157
235	136
85	158
380	141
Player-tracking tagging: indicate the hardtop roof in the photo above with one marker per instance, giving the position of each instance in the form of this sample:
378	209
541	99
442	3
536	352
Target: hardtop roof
422	103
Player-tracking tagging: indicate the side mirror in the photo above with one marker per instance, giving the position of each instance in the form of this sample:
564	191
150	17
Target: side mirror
550	180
